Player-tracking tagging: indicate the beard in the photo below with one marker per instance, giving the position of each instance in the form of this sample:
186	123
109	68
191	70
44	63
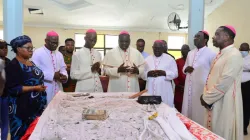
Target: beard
69	51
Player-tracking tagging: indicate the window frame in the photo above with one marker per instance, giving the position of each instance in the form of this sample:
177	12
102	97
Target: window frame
98	48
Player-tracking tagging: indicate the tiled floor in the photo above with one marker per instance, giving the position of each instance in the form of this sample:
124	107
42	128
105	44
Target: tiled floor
248	136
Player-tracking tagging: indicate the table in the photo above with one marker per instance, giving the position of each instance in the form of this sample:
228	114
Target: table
62	119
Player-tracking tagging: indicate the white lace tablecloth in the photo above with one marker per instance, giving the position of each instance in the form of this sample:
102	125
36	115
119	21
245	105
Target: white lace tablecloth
62	119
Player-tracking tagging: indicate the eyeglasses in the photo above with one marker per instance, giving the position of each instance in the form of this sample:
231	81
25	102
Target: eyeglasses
28	48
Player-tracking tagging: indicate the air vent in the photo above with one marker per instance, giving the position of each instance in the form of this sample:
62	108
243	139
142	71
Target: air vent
35	11
72	5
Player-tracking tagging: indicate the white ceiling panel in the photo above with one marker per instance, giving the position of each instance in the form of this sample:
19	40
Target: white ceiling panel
110	14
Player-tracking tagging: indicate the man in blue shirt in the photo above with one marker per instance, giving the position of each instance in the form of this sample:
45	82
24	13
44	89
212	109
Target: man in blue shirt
140	44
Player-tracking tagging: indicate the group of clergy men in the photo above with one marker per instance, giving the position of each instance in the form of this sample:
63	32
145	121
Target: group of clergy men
211	83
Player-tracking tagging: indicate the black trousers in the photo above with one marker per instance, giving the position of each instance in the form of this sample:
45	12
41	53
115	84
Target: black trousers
142	84
245	88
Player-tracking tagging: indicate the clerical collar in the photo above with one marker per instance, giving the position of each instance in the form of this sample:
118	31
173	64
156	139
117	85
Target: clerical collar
127	50
202	48
87	47
226	48
158	56
46	49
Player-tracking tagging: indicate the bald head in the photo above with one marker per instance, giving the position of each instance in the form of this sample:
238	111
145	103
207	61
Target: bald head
184	46
184	50
244	47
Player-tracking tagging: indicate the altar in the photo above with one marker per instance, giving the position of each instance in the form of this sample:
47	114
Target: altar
62	119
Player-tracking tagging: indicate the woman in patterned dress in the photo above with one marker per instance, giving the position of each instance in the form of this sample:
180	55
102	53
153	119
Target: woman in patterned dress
24	88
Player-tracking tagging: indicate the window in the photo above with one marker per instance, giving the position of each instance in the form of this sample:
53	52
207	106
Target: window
100	42
111	41
176	54
103	44
175	42
79	40
174	45
101	51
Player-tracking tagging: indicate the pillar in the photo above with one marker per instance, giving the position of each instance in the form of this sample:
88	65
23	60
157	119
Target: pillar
195	19
12	21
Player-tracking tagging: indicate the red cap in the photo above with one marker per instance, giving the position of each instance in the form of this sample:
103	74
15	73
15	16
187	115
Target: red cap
52	33
124	33
91	31
231	28
158	41
205	32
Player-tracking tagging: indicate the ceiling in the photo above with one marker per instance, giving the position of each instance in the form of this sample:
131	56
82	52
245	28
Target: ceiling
110	14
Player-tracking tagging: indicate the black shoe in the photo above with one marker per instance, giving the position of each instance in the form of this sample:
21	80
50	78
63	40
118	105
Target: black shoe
245	132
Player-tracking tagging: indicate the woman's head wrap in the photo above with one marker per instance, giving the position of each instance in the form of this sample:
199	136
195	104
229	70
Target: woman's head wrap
19	42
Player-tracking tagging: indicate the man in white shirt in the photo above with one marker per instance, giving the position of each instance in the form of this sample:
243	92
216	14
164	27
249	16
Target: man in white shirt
245	84
160	69
51	62
196	68
124	65
85	67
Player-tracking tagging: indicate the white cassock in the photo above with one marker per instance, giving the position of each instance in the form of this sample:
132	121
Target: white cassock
161	85
223	90
123	82
81	64
50	62
200	60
